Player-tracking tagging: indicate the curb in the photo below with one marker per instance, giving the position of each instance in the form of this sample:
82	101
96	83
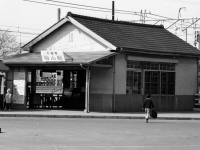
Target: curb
93	116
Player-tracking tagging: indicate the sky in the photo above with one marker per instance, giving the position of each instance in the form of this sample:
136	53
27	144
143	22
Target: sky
27	18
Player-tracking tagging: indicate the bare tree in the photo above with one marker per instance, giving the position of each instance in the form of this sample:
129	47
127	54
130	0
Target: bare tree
8	44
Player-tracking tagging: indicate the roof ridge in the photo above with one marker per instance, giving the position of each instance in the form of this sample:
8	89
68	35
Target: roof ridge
114	21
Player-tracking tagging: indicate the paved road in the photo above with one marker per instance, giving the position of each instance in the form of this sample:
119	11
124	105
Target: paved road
98	134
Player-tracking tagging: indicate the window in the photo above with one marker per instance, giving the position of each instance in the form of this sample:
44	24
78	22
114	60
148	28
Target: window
151	82
134	64
73	79
159	78
71	37
129	82
167	83
133	85
133	82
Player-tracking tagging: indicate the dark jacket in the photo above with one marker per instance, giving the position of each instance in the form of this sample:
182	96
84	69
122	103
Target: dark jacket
148	103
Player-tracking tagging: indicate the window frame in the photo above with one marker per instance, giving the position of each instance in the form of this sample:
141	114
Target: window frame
138	79
160	68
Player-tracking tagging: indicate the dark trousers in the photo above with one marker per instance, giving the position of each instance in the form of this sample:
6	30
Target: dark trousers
7	106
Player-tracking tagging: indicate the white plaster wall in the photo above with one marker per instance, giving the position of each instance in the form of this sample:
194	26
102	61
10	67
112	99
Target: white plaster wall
101	80
186	76
69	38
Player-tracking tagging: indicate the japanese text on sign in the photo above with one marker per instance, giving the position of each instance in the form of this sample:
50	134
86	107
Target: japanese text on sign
52	56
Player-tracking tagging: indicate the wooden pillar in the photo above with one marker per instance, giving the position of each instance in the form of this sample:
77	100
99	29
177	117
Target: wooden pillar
33	88
87	91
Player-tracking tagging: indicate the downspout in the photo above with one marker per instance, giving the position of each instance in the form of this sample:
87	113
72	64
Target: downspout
113	99
118	50
87	91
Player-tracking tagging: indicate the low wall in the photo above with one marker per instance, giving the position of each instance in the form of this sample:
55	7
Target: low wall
101	102
133	103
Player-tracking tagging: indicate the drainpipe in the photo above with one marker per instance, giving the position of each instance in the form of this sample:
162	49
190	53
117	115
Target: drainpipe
87	88
118	50
113	106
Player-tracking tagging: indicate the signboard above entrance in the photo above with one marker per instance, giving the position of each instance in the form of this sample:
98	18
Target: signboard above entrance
52	56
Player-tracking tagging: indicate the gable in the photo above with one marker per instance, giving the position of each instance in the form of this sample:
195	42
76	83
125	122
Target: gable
69	38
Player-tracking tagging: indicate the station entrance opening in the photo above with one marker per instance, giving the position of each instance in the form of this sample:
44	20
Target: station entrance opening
56	89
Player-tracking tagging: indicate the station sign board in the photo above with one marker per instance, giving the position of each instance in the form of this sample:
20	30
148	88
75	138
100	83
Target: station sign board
52	56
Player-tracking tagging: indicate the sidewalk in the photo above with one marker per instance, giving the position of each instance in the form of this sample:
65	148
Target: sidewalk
53	113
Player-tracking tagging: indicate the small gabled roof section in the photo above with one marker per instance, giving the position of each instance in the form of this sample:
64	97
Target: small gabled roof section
3	67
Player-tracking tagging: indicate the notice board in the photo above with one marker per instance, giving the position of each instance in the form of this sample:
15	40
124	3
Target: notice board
19	88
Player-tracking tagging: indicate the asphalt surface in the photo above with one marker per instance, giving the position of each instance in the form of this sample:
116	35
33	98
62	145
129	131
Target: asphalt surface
31	133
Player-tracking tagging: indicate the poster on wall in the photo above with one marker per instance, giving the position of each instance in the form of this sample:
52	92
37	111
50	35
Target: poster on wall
19	87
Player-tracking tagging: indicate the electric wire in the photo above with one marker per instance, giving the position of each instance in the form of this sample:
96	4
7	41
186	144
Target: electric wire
20	27
115	10
108	9
65	6
21	32
104	10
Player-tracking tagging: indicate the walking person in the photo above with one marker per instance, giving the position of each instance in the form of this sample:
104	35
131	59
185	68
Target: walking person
147	106
8	100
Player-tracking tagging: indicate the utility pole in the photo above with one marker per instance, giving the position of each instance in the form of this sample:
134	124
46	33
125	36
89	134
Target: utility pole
188	27
58	14
19	40
145	14
113	97
113	10
141	16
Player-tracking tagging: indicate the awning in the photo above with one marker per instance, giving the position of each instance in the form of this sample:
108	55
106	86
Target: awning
3	67
71	58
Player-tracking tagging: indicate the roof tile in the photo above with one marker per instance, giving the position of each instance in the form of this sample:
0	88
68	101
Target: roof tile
78	58
134	36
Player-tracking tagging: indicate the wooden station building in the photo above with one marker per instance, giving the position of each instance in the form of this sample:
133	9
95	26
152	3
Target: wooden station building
95	64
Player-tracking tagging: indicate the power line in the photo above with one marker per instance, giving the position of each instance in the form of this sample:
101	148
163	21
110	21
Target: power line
168	19
115	10
20	27
108	9
132	12
64	6
92	8
104	10
78	5
21	32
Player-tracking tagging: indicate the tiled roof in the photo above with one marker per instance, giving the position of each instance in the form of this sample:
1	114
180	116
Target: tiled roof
137	37
78	58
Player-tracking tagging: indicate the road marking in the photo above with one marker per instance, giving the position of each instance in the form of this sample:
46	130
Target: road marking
178	146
